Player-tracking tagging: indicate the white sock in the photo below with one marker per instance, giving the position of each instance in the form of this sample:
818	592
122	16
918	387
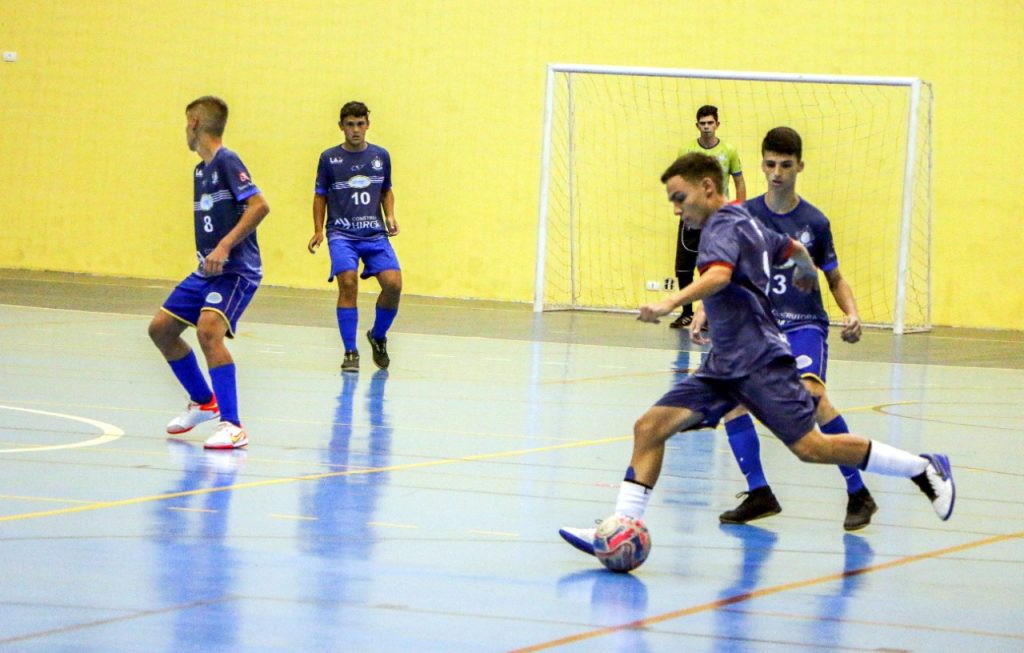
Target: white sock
632	500
891	461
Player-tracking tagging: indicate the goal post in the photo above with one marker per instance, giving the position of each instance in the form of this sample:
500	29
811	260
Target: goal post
606	233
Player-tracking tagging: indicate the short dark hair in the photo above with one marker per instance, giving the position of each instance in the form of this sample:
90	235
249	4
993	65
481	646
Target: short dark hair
693	167
784	140
212	112
707	110
353	109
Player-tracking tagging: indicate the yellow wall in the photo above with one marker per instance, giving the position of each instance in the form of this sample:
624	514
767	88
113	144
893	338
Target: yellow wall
95	175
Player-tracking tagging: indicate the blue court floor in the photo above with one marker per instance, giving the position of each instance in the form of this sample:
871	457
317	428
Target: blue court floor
417	509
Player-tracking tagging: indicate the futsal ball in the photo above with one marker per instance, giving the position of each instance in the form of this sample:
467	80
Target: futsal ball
622	543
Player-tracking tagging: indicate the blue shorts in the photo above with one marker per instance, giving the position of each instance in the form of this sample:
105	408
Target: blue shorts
810	349
377	255
774	394
226	294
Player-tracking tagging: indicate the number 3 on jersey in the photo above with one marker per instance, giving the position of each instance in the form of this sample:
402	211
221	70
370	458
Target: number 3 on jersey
779	279
780	284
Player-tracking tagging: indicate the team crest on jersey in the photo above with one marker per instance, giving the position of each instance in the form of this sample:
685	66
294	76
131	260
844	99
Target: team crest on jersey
376	164
214	298
805	237
359	181
206	202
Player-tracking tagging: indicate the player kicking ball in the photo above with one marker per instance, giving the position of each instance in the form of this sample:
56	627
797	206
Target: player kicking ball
750	361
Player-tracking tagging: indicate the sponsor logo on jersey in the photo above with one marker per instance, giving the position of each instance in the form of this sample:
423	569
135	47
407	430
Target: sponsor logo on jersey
335	160
243	177
206	202
359	181
199	173
376	164
214	177
214	298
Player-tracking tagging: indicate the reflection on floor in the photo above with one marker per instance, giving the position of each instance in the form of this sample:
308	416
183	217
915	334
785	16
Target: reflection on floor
417	509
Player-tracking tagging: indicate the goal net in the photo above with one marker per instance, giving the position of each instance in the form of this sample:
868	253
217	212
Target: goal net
607	233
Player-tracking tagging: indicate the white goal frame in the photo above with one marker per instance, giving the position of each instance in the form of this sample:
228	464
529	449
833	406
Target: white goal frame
913	84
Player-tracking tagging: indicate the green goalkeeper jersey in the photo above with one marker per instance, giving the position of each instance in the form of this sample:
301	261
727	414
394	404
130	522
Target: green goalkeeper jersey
725	154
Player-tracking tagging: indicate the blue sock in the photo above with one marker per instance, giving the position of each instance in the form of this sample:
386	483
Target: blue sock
191	377
385	316
223	378
746	448
853	480
348	320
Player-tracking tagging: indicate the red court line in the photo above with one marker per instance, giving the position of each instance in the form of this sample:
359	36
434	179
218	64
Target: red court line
767	591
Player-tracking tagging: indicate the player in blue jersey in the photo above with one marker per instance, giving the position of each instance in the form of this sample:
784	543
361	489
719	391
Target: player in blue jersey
750	362
353	194
803	321
227	209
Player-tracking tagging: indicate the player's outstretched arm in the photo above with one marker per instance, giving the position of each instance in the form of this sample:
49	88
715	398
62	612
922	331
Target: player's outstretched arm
843	294
319	215
711	281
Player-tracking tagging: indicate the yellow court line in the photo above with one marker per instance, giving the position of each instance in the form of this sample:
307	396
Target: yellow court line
19	497
766	591
308	477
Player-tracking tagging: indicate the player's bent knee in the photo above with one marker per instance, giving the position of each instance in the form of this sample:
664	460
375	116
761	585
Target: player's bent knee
811	448
163	329
211	330
390	281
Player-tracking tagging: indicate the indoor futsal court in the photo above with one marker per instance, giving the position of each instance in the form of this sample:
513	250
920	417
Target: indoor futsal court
417	509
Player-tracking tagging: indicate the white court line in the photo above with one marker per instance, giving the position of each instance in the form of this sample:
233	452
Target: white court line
110	432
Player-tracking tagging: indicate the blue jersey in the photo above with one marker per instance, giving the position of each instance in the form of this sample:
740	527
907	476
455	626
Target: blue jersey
354	183
810	227
744	334
221	188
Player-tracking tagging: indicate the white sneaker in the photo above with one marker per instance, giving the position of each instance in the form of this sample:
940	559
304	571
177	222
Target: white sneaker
227	436
194	415
580	538
939	487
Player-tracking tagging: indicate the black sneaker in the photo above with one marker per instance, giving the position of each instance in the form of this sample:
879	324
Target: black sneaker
351	362
759	503
681	322
859	507
380	350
